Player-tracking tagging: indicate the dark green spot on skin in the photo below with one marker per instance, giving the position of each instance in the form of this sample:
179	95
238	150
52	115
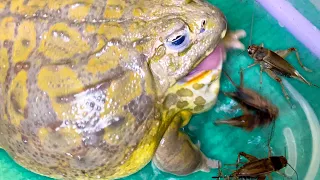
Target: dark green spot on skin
173	66
182	104
160	52
200	101
184	92
197	86
199	108
170	100
25	42
214	78
140	107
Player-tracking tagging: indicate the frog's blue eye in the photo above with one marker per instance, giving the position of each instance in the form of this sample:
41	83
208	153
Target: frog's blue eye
178	42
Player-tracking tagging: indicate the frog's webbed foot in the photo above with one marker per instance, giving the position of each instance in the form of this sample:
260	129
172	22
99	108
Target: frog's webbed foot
176	153
231	40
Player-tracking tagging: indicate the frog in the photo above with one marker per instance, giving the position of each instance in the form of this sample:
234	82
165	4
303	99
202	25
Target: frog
94	89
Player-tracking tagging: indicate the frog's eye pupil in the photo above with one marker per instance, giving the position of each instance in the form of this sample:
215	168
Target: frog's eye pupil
178	40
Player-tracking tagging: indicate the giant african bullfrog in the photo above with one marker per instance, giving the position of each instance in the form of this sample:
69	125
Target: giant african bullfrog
99	88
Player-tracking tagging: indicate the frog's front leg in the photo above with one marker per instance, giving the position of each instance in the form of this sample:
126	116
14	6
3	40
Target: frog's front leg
176	153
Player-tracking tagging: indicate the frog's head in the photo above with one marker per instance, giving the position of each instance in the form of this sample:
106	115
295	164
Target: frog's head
181	34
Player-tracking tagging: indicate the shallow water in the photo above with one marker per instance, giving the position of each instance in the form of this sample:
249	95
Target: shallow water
224	142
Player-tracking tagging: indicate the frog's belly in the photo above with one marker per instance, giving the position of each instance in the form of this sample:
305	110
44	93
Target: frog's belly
86	162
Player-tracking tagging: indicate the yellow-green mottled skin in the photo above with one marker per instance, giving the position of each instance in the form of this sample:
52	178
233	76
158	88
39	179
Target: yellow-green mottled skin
83	83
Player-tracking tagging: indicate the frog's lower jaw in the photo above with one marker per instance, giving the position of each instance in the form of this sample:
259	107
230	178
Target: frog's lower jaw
203	98
199	90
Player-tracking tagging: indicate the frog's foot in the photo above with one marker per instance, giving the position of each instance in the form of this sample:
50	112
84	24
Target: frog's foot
177	155
231	40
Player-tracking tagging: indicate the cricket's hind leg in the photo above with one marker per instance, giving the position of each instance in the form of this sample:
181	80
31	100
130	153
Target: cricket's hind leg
279	80
247	156
285	53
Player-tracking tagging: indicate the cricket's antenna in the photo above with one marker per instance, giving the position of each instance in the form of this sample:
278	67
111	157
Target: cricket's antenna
241	53
252	21
229	78
285	152
285	155
272	132
270	137
294	171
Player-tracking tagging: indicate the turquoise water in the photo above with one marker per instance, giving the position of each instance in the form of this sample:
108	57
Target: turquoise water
224	142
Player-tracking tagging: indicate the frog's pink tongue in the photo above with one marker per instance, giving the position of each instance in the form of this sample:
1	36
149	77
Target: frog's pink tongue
213	61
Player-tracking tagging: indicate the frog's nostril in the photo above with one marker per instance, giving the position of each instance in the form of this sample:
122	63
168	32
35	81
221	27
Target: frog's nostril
204	22
203	26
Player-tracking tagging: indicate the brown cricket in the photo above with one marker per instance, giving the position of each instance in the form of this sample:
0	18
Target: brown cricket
257	168
257	110
275	65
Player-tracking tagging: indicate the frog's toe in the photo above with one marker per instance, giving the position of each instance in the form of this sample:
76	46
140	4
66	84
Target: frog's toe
177	155
231	40
210	164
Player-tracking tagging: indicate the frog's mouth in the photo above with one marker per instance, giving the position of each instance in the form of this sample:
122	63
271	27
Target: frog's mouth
212	62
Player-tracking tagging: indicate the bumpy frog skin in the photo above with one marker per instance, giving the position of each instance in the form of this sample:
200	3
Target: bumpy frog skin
95	89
